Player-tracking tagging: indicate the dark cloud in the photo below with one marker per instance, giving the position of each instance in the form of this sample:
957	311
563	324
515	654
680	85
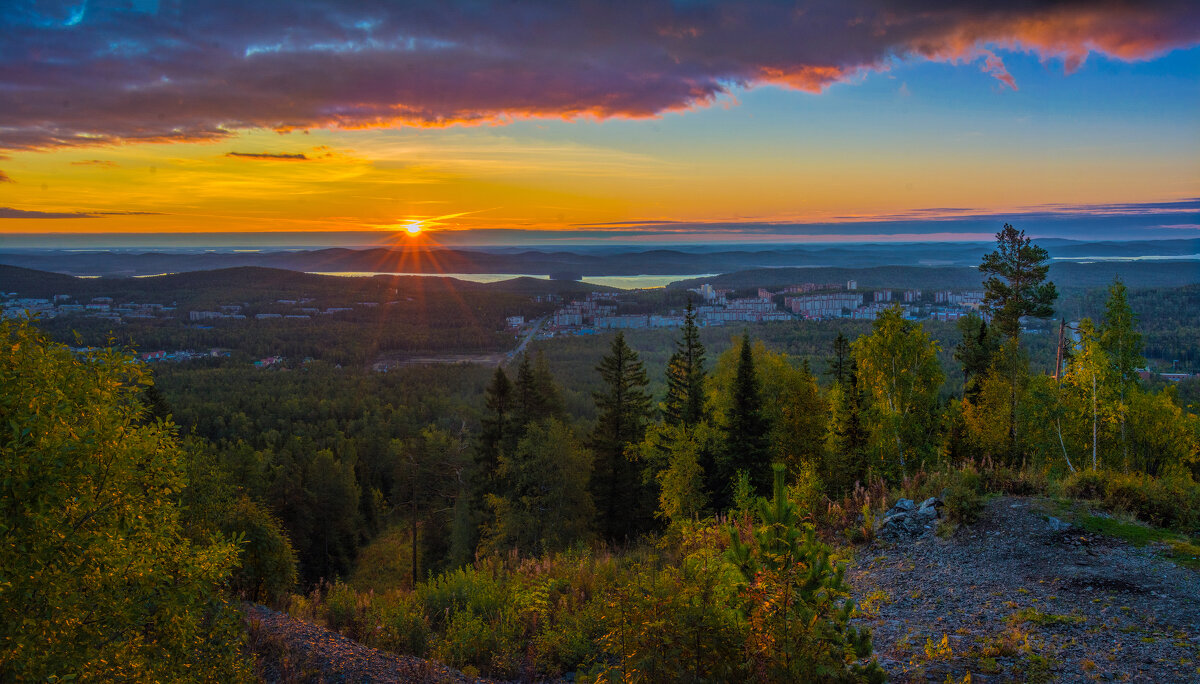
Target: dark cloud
94	162
5	179
264	155
76	73
10	213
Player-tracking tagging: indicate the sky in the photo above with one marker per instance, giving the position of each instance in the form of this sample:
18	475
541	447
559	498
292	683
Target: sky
568	121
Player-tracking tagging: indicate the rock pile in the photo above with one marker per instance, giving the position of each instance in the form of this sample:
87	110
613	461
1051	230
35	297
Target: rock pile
907	519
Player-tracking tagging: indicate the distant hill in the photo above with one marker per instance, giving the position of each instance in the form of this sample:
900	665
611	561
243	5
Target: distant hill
236	284
1067	275
630	261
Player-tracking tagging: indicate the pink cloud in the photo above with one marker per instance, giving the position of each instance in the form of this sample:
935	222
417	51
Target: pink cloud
200	70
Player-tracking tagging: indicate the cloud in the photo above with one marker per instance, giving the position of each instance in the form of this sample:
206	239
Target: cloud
10	213
5	179
94	162
267	156
103	73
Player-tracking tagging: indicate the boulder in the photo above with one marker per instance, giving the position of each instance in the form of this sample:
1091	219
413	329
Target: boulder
1057	525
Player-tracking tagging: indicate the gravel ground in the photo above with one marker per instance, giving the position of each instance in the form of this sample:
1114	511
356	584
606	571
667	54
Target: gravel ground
292	650
1010	599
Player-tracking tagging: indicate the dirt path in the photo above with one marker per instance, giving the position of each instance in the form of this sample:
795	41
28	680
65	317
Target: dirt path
1010	599
292	650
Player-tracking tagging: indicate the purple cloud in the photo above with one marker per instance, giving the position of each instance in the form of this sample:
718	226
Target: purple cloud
10	213
75	74
267	156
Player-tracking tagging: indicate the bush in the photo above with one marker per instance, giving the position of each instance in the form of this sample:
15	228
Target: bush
266	569
1085	484
398	624
964	496
1169	501
98	580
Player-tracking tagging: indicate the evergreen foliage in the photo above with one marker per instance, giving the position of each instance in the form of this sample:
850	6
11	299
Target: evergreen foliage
797	603
747	430
684	403
624	410
839	365
545	504
974	352
1015	285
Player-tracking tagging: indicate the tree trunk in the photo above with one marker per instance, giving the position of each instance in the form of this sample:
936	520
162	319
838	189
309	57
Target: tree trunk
1058	423
1095	427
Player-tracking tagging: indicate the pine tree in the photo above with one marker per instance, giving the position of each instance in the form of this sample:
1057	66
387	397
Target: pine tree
796	602
747	430
1015	286
624	410
684	403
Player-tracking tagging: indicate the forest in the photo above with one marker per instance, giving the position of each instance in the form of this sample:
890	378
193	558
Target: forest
673	506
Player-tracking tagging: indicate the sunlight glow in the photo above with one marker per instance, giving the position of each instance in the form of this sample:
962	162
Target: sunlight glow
413	227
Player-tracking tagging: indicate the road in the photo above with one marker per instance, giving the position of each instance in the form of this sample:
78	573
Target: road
525	340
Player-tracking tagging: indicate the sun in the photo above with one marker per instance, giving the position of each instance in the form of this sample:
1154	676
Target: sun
413	228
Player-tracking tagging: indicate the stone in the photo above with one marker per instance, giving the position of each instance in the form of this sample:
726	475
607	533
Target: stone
931	502
904	504
1058	525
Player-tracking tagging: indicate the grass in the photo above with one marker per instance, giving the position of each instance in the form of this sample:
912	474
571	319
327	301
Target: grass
1037	617
1181	549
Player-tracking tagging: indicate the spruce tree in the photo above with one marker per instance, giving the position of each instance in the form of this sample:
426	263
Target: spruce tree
747	429
974	353
839	365
497	436
1123	343
847	439
535	395
684	404
624	410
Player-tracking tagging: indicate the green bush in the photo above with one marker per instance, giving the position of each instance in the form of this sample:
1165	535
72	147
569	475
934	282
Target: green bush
1085	484
266	570
399	624
964	496
98	579
458	590
343	611
1172	500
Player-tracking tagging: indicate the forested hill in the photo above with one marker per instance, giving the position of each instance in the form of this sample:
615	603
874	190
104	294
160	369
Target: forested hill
587	261
236	284
1135	274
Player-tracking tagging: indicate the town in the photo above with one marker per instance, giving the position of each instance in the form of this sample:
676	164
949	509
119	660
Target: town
812	301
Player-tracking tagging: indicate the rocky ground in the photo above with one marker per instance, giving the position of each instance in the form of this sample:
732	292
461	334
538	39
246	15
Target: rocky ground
292	650
1020	596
